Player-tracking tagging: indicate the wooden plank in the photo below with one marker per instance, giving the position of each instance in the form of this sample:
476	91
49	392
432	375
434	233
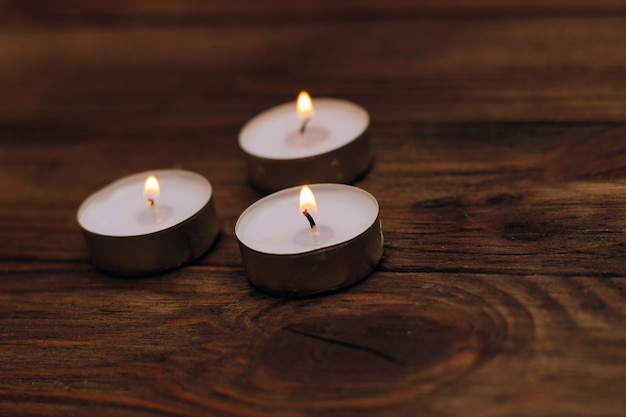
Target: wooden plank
194	344
188	12
518	199
477	70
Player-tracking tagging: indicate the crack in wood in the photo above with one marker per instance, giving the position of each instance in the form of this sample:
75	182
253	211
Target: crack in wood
349	345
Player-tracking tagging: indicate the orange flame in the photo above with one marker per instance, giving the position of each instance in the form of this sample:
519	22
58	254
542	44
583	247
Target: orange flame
307	199
304	105
151	189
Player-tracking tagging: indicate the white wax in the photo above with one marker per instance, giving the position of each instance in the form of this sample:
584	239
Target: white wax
275	133
120	208
276	225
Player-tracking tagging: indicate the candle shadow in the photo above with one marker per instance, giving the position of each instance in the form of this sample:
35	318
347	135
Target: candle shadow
309	238
154	215
312	137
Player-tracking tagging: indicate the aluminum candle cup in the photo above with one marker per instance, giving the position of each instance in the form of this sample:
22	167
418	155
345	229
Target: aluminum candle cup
332	147
284	255
132	230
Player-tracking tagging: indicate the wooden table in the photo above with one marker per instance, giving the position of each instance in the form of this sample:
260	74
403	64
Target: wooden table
499	129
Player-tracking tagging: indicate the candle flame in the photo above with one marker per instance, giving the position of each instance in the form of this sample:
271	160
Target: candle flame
304	105
307	199
151	189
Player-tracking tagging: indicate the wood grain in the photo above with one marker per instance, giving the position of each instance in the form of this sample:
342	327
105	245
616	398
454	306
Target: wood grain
398	342
498	129
186	12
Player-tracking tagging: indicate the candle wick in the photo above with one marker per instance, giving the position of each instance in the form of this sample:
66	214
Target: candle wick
310	219
303	127
150	202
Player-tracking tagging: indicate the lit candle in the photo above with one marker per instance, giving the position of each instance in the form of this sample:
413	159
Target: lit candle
327	239
149	222
324	140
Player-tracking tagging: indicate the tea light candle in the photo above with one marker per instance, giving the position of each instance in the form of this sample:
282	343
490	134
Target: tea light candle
303	142
323	241
149	222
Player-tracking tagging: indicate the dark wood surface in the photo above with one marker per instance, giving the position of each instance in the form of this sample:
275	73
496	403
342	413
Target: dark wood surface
499	129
